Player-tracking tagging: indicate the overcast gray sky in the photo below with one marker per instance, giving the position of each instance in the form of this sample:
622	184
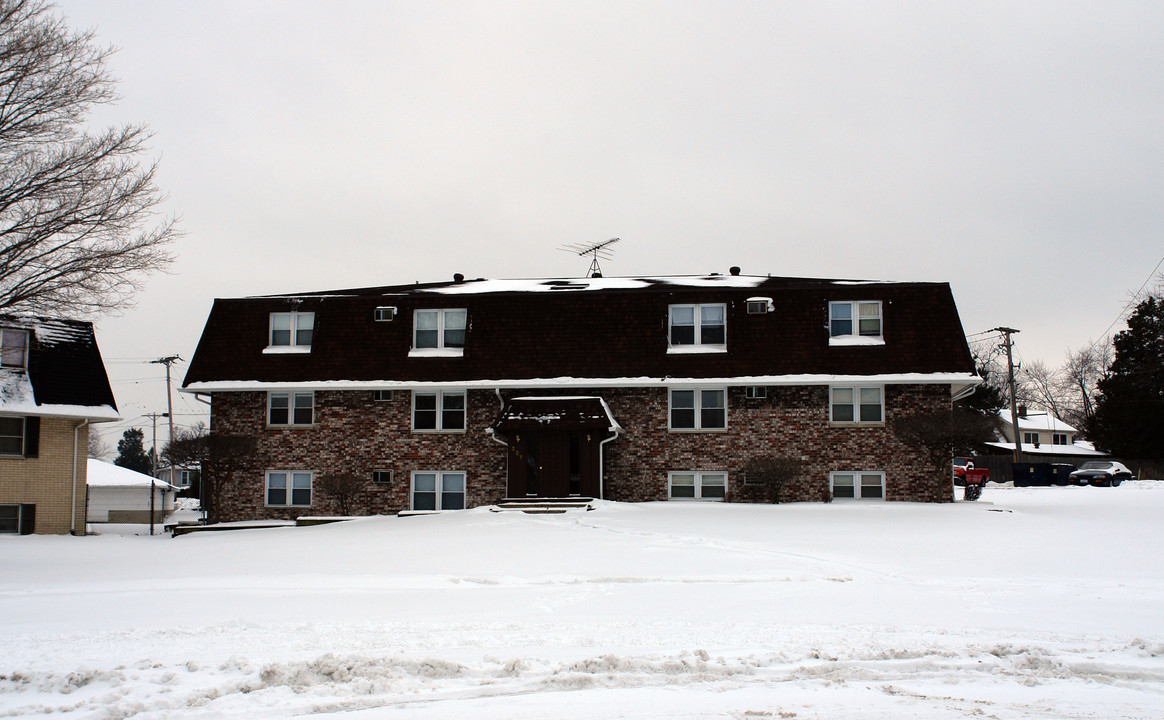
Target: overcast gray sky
1014	150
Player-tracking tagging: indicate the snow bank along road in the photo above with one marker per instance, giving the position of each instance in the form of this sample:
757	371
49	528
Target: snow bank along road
1032	603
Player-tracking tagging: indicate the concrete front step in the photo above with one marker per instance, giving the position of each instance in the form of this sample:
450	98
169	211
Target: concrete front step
543	506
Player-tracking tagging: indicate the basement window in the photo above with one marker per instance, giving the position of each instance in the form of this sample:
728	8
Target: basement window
857	485
697	485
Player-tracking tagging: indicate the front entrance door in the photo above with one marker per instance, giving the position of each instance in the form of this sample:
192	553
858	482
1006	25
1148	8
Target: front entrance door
553	463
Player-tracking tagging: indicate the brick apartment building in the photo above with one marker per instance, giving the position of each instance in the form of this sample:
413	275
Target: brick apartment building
458	394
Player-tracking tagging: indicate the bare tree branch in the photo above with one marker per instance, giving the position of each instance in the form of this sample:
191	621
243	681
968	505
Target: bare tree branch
79	222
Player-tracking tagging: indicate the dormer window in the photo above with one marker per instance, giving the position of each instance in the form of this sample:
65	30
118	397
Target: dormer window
439	332
698	328
291	331
13	347
855	323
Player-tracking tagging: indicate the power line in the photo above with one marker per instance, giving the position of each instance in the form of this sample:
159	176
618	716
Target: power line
1135	299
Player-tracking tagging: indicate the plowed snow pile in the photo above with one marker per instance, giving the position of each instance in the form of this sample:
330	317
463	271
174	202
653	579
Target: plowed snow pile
1032	603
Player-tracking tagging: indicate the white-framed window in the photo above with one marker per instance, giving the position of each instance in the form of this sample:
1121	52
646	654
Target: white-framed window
290	408
1030	438
11	436
698	409
13	347
10	519
383	477
755	392
383	395
438	490
698	327
386	313
442	329
438	411
288	488
860	318
1060	439
858	485
696	485
291	331
857	404
182	478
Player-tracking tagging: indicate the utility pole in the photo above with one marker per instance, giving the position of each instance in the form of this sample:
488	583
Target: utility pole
168	361
154	462
1008	344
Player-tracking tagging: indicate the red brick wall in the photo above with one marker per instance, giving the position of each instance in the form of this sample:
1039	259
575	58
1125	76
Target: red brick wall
355	434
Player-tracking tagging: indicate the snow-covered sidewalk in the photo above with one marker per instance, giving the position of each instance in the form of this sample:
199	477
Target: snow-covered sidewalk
1032	603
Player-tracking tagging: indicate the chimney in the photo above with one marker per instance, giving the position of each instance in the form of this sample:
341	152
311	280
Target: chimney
1022	411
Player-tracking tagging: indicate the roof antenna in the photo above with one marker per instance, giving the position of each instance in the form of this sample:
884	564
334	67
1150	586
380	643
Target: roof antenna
595	251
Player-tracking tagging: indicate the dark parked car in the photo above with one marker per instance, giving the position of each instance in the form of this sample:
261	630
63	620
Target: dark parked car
1105	473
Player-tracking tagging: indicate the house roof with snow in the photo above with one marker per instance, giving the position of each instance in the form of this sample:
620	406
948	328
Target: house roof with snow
99	473
1033	421
61	373
586	332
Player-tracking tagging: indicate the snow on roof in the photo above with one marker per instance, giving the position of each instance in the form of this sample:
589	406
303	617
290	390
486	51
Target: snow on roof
944	378
47	330
1078	449
17	398
595	283
102	474
1038	421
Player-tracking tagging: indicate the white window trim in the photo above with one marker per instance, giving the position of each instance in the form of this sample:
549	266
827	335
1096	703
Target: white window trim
440	409
19	517
290	487
1056	436
27	341
440	350
23	436
698	347
857	475
291	408
292	348
440	485
699	474
855	338
698	409
856	405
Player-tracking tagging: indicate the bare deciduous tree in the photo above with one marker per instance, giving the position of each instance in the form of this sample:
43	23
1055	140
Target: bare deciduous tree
943	434
78	212
219	456
343	488
772	472
98	448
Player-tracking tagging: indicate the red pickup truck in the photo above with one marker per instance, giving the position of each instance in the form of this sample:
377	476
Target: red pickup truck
964	466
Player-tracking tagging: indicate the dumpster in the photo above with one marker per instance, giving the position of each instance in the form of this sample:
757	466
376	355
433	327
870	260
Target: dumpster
1031	474
1060	472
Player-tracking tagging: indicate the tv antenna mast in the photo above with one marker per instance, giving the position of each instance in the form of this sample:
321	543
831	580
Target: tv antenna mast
595	251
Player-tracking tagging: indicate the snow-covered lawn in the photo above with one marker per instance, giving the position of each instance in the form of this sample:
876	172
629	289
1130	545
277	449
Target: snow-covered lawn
1032	603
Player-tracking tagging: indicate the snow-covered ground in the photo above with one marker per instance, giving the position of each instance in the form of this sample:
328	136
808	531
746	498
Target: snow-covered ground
1032	603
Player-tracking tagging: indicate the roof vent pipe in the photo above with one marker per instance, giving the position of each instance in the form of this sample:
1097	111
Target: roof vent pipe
734	270
458	278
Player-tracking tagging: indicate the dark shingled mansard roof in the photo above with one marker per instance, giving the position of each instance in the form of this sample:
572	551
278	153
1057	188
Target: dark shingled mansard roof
594	328
65	374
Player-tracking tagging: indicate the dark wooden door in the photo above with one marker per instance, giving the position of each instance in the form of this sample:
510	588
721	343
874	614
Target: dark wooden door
553	463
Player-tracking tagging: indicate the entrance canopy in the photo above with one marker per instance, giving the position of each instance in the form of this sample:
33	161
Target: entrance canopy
555	445
555	413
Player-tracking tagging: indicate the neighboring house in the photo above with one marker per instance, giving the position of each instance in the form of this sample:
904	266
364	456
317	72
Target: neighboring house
53	386
459	394
1043	434
121	495
185	479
